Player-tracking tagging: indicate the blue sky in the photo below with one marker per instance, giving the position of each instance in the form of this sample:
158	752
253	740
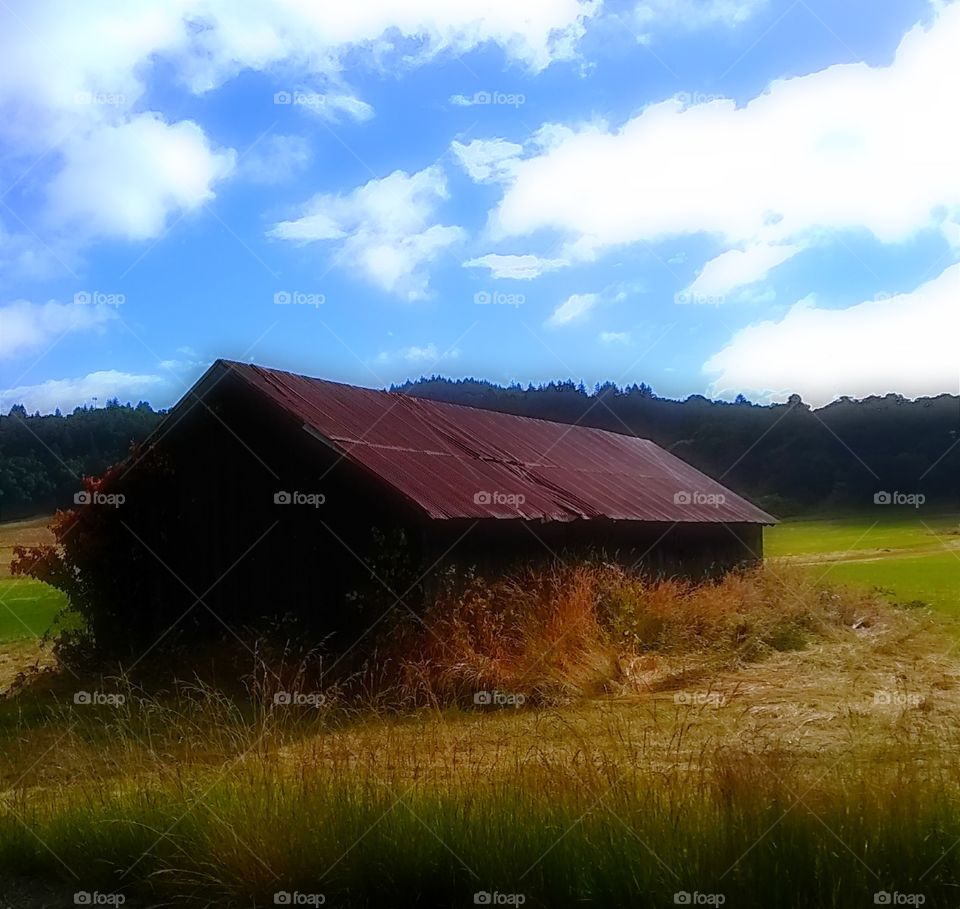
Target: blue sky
710	196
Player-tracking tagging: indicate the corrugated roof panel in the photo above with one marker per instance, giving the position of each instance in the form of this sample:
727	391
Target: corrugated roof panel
455	461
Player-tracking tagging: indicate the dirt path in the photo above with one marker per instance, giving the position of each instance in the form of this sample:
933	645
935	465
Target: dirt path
869	555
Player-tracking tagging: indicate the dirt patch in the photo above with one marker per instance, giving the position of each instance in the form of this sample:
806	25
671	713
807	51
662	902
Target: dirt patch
30	532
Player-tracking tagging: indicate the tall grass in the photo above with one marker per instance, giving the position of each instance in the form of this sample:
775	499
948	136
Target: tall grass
202	797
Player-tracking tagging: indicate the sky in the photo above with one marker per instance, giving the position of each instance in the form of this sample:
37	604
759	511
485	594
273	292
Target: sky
709	196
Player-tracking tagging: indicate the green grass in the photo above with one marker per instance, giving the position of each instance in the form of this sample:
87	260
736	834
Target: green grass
911	557
27	608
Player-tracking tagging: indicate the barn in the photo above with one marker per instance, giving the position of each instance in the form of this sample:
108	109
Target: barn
264	492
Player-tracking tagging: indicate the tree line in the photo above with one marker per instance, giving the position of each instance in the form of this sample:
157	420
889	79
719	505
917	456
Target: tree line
788	458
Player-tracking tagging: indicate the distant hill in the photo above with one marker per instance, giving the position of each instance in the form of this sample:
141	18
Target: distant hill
786	457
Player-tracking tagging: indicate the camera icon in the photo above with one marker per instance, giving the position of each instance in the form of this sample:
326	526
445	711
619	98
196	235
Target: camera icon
282	697
282	98
82	297
82	697
882	498
482	898
681	498
482	498
281	498
281	298
81	498
682	898
82	898
882	898
482	98
482	298
483	698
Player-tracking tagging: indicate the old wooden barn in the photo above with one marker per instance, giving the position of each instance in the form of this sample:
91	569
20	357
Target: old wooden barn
264	492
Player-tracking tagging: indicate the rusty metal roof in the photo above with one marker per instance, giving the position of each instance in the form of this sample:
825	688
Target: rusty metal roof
455	461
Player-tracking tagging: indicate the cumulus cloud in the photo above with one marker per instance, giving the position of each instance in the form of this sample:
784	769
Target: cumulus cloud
275	159
737	268
123	181
27	327
74	79
575	308
519	268
74	392
905	344
381	230
852	147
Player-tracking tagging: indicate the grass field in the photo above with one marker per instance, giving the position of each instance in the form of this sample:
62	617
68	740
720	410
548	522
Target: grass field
774	744
912	557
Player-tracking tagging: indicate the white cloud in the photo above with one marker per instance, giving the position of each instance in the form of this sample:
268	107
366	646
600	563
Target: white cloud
275	159
74	392
615	337
426	353
573	309
737	268
691	14
905	344
519	268
125	180
381	230
852	147
73	79
27	327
